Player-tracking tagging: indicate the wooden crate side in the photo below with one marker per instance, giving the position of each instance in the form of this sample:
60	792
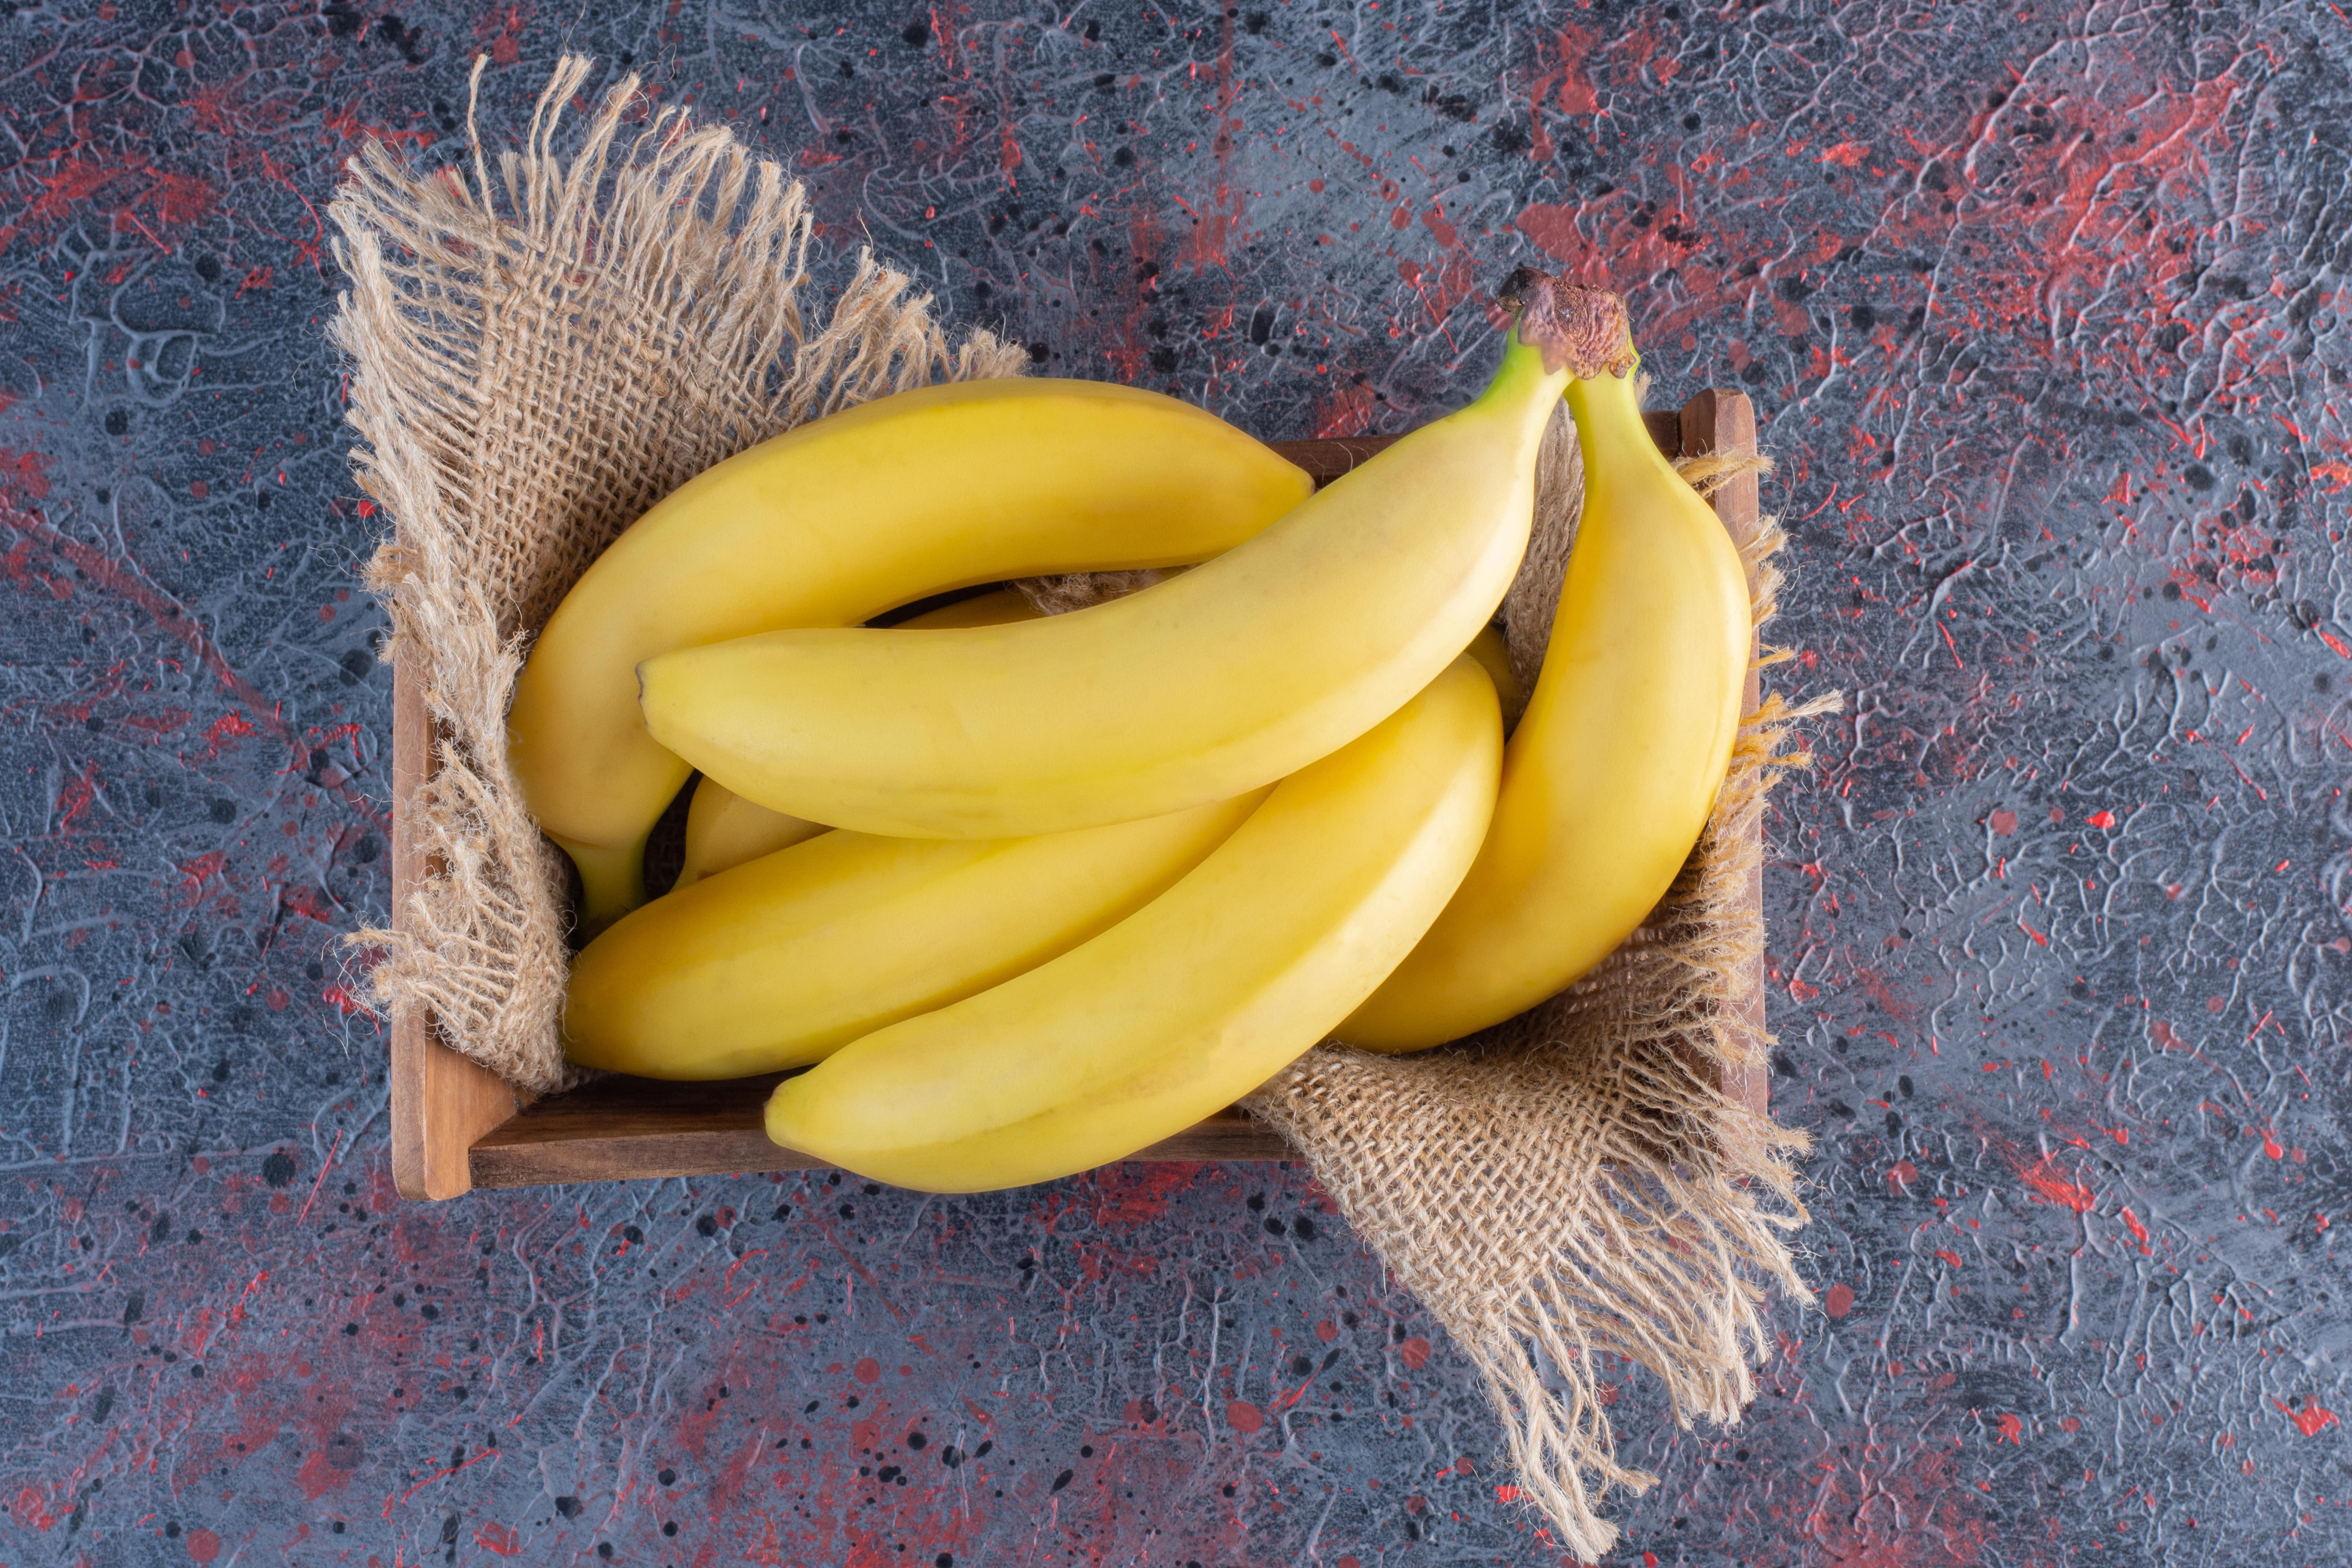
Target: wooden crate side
1719	420
441	1099
622	1129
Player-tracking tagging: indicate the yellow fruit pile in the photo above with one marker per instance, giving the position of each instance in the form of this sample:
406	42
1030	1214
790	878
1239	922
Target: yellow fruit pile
1034	892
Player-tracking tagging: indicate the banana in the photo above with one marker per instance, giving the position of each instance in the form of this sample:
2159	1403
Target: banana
723	831
839	519
1494	657
996	608
777	963
1192	1000
1614	767
1238	672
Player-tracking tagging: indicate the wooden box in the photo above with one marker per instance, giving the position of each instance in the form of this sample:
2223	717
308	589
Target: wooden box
456	1126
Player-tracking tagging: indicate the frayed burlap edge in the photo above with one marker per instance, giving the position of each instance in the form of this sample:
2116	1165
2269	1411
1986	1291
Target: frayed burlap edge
536	359
1574	1184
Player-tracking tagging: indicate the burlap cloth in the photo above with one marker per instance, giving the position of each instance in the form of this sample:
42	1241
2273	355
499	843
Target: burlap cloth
542	350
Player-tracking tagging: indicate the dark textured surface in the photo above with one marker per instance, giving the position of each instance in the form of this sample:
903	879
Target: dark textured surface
2042	307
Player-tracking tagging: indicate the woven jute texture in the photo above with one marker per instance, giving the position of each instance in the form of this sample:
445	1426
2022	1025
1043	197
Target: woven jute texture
537	355
543	347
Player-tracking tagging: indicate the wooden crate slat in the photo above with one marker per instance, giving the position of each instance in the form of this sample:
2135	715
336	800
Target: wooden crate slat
457	1126
441	1100
1721	421
618	1128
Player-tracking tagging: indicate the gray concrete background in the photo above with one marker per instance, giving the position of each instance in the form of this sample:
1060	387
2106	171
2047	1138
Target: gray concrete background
2044	310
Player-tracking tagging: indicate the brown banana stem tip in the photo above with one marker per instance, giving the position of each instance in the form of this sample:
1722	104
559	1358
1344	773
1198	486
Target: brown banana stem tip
1584	329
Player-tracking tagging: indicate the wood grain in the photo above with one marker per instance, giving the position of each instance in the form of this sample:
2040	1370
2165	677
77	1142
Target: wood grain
456	1126
620	1129
1720	420
441	1101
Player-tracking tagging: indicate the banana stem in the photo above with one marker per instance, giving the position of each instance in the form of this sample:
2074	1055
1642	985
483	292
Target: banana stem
1609	427
1583	330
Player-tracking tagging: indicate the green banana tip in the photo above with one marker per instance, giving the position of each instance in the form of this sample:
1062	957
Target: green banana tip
1584	329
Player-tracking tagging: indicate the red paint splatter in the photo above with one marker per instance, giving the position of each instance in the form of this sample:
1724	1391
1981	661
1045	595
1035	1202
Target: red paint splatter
318	1477
1242	1417
198	871
2012	1430
1576	94
500	1539
1553	230
2043	1180
24	472
156	725
137	194
75	798
2311	1419
312	903
229	727
1415	1351
1218	224
202	1544
867	1370
1906	1510
2139	1231
1137	1194
1347	412
1839	1301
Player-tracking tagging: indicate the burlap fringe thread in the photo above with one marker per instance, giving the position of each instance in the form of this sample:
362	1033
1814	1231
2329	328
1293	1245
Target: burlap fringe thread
529	375
1572	1183
525	383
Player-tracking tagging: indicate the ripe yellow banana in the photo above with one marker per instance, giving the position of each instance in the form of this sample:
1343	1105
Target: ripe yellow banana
839	519
1239	672
1494	657
1614	767
998	606
1192	1000
778	963
723	831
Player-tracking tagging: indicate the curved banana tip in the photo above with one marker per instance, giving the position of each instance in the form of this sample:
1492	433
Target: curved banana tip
1583	329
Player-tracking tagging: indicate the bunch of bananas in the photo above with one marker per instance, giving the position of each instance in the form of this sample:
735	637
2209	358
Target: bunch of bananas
1033	892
